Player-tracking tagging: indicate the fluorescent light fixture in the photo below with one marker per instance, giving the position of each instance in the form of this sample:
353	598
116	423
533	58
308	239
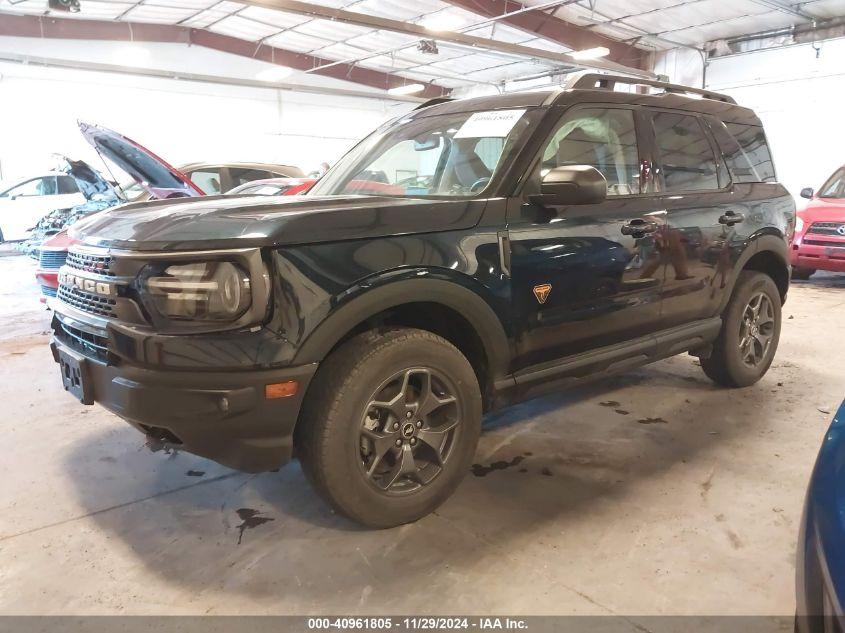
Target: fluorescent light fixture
132	55
407	89
591	53
440	22
277	73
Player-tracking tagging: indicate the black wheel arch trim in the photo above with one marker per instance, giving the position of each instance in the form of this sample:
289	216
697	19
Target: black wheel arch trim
404	287
763	241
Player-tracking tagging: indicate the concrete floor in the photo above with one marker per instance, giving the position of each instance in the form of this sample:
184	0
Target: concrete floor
651	493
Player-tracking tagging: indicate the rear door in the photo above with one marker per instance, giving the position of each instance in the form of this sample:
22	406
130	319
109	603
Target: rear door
580	279
696	250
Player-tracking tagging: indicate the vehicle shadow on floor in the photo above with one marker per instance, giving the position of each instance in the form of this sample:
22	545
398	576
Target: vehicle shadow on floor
822	279
555	463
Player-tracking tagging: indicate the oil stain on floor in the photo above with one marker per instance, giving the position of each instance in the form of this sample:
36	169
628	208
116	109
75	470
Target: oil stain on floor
250	520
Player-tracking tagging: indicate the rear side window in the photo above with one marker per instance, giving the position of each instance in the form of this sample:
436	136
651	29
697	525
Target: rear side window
686	156
746	152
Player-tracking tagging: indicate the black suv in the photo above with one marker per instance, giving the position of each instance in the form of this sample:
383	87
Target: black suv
465	256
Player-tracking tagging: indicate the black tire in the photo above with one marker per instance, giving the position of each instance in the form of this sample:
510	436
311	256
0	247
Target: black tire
347	422
732	364
802	274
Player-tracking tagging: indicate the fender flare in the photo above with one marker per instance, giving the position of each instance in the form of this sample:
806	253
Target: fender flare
373	300
761	243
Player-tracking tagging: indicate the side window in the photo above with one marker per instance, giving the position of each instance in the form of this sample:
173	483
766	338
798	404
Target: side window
243	176
604	138
206	179
686	156
35	187
66	184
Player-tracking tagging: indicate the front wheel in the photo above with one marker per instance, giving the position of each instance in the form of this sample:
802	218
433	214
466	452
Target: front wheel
750	332
390	426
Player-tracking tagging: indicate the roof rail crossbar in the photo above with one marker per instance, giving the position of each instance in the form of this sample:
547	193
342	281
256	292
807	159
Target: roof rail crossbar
609	82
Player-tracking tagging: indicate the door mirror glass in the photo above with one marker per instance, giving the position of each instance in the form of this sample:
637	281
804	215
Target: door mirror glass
572	184
807	192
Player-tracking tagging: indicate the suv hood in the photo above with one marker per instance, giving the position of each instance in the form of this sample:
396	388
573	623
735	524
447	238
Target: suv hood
240	221
90	181
824	210
158	178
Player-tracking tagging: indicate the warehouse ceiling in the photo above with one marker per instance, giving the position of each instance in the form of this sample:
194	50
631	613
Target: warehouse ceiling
354	45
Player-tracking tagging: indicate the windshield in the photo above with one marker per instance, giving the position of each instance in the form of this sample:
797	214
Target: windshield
835	186
453	155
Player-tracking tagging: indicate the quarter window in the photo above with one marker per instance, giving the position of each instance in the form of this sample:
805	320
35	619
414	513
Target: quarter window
604	138
686	156
753	154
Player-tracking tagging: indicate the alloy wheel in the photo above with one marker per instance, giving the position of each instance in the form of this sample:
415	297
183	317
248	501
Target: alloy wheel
756	330
408	430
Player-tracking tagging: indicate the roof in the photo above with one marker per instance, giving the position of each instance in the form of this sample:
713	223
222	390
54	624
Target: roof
241	165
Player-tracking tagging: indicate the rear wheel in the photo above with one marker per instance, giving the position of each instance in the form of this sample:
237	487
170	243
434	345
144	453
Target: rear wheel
802	274
748	340
390	426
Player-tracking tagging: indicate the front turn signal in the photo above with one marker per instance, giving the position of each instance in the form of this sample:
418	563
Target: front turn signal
281	389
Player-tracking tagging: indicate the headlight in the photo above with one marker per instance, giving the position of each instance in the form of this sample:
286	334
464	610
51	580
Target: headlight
218	291
799	224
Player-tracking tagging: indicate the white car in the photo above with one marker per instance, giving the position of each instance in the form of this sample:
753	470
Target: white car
25	203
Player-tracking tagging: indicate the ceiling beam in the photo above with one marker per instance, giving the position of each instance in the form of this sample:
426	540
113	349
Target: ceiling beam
553	28
69	28
67	64
461	39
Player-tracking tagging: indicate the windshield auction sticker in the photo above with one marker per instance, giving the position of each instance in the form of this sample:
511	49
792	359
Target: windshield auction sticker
493	123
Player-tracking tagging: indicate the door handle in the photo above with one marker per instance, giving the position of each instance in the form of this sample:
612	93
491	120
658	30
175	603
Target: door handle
730	218
639	227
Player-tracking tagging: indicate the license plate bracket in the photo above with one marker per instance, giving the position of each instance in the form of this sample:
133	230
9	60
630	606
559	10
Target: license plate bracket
75	378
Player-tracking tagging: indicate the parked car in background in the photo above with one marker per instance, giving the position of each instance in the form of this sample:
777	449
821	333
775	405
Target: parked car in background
819	242
222	178
76	185
51	257
820	564
274	187
152	178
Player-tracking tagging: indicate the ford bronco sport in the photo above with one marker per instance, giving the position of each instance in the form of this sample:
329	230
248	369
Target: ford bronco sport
465	256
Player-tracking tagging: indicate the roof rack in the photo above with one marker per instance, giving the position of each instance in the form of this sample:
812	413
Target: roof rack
609	82
432	102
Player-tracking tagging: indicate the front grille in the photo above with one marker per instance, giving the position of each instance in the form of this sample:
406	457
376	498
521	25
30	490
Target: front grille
87	302
98	264
827	228
827	243
52	259
48	291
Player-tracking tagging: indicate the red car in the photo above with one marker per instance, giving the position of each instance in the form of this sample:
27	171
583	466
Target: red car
819	242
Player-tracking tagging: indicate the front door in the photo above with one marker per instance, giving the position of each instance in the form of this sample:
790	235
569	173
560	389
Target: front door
587	276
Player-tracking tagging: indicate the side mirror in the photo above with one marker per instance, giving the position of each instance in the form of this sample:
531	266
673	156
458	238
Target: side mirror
807	192
575	184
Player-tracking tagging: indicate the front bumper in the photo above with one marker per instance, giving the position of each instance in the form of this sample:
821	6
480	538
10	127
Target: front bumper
219	414
827	254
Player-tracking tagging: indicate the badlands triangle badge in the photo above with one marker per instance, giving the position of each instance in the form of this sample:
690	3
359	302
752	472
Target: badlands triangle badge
542	292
